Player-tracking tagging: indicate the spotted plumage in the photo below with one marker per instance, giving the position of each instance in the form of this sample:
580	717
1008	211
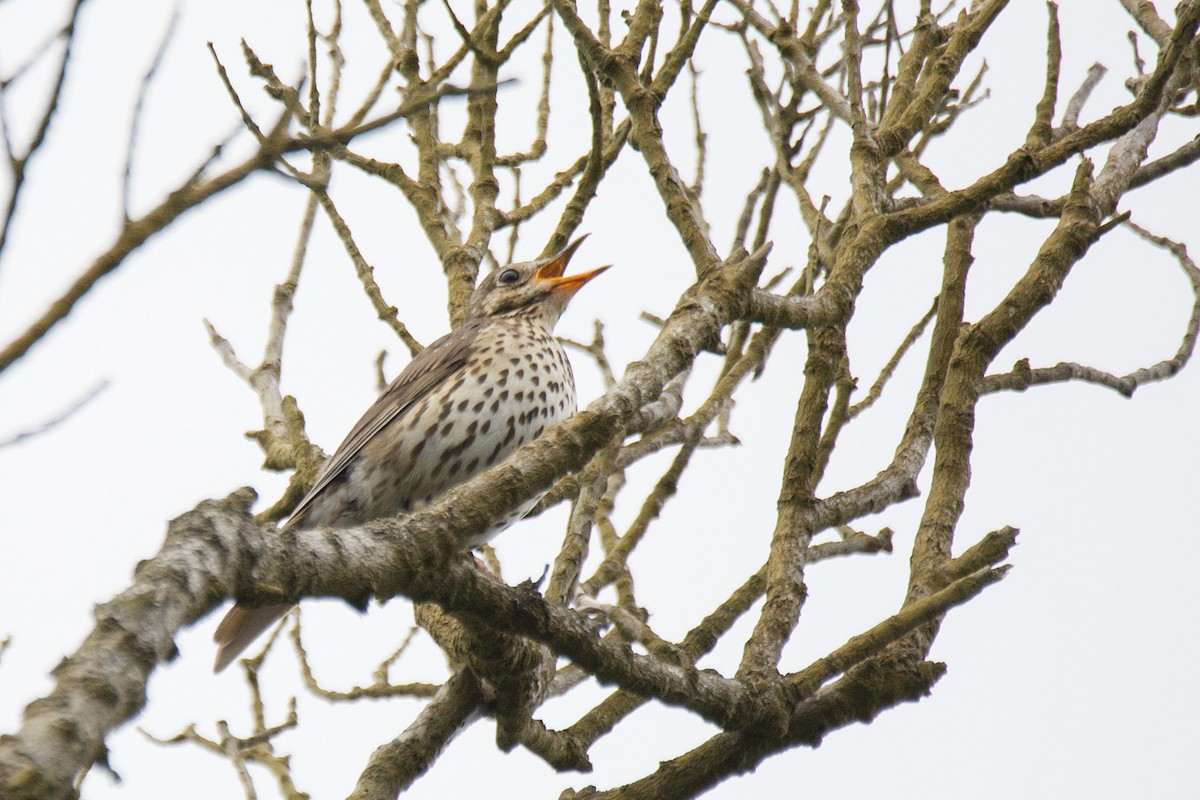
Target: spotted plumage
463	404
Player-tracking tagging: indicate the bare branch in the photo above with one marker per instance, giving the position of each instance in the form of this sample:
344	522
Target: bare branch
1095	74
395	765
380	687
59	418
139	105
861	108
134	234
389	314
18	164
889	369
1023	376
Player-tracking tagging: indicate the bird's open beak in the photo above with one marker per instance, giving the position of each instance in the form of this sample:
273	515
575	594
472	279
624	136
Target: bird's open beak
552	271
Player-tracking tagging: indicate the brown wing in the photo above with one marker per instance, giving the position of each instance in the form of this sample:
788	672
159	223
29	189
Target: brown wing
431	366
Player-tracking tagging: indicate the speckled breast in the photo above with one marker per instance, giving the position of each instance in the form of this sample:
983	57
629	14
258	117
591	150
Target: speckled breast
515	384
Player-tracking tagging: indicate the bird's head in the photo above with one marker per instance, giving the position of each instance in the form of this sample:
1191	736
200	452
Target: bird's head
536	287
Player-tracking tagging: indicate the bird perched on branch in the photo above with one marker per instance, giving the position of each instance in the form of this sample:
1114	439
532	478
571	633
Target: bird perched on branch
463	404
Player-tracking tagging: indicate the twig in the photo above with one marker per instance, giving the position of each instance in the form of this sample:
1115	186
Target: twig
395	765
596	350
1023	376
889	369
223	74
1095	74
381	687
58	418
255	749
388	314
134	234
19	163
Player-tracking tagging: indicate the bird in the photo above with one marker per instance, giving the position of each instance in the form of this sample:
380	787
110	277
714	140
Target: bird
463	404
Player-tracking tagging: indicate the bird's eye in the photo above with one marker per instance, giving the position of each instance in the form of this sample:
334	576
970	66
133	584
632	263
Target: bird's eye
508	277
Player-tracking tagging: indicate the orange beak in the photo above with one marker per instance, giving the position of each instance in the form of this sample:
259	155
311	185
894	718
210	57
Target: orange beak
552	271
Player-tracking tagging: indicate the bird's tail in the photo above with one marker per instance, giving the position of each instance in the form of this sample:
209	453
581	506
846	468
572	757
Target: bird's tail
242	626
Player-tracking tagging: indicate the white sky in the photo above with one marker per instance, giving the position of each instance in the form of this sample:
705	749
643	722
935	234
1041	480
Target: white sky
1070	678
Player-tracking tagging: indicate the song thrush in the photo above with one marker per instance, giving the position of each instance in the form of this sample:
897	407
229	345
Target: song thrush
463	404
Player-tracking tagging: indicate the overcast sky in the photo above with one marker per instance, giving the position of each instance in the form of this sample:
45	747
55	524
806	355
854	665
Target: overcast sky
1073	677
